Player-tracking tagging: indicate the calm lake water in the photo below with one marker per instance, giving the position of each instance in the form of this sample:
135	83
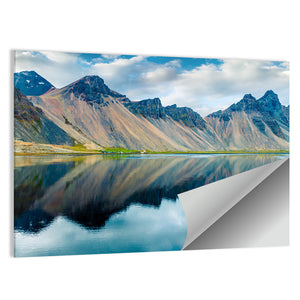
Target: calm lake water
110	204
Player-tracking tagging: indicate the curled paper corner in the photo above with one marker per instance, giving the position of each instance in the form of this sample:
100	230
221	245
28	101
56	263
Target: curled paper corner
206	205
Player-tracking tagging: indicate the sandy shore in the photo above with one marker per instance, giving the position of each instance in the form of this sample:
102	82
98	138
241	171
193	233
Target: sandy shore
26	148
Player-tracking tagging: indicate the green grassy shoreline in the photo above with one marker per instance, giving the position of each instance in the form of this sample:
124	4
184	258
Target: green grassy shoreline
136	152
30	148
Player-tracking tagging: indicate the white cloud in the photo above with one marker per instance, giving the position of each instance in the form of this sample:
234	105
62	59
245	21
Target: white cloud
60	57
159	75
210	87
110	56
57	67
117	67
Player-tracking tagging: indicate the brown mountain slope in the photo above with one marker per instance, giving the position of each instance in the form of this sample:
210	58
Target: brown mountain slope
31	124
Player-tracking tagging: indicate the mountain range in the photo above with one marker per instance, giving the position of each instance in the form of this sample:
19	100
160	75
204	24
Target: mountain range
88	113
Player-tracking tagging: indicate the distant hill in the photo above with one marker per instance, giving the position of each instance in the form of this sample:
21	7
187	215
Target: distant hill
31	84
89	112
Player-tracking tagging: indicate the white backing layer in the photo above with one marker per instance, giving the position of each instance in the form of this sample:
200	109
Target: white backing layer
205	205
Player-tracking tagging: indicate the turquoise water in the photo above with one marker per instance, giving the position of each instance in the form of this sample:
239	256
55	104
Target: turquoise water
94	204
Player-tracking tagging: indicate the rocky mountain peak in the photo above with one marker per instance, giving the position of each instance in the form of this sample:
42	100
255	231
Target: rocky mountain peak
270	102
266	111
248	97
247	104
272	108
270	93
88	85
155	101
94	81
186	116
91	89
151	108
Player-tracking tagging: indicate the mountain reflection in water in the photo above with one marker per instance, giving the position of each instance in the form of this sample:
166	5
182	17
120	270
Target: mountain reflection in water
93	191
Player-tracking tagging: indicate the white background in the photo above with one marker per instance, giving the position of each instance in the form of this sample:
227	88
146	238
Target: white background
245	29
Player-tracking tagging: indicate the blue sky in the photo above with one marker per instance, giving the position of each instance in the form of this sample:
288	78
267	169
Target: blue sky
204	84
